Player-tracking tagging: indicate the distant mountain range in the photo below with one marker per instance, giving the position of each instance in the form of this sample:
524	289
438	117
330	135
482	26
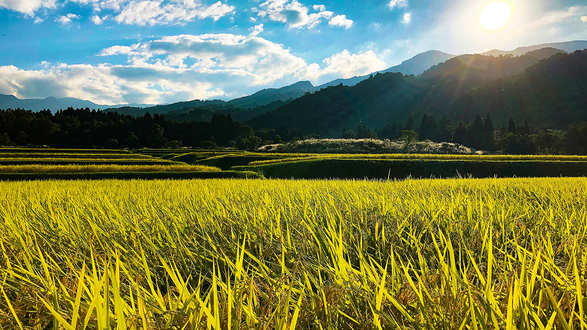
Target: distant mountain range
53	103
245	108
568	47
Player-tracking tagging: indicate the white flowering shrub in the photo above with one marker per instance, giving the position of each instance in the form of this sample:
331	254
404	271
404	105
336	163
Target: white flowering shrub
368	146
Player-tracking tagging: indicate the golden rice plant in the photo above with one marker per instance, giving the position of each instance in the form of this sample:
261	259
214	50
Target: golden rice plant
270	254
104	168
73	155
57	160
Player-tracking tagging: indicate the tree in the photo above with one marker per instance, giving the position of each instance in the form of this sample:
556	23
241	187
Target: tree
488	137
5	139
132	141
21	138
488	125
112	143
512	127
460	133
429	128
350	134
409	124
525	129
157	140
409	136
444	129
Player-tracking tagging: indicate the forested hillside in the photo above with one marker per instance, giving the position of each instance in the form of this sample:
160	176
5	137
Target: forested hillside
549	93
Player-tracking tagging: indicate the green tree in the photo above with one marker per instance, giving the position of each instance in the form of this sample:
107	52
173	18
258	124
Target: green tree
409	124
460	133
157	140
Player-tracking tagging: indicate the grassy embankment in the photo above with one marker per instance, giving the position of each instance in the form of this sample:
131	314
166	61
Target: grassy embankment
393	166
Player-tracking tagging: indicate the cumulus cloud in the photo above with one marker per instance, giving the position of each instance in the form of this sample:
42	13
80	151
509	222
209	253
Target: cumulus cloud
256	30
407	18
345	65
182	67
584	19
397	3
295	15
67	19
157	12
28	7
97	20
341	20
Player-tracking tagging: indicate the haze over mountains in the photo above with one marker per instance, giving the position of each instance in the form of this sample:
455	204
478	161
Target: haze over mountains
446	83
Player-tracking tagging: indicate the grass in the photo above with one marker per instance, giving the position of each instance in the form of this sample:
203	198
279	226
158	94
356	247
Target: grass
64	161
480	158
241	254
73	154
103	168
65	150
419	168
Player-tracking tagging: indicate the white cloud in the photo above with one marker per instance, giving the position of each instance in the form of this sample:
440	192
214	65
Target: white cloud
319	7
341	20
584	19
28	7
407	18
183	67
345	65
397	3
38	20
67	19
296	15
125	50
557	17
256	30
181	11
97	20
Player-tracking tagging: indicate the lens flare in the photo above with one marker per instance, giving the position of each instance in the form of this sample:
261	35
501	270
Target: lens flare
495	15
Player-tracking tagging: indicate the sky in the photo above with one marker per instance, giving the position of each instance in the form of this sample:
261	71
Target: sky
163	51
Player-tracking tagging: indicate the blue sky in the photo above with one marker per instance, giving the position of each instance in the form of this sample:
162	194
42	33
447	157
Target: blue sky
162	51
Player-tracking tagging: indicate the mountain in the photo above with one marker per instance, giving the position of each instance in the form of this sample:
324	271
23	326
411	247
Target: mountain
52	103
244	107
420	63
549	93
568	47
416	66
166	108
269	95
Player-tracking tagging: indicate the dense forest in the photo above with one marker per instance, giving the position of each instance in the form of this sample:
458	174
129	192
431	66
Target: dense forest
85	128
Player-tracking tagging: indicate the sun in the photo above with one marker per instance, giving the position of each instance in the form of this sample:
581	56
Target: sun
495	15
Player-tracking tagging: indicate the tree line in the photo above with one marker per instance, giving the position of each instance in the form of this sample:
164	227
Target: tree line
85	128
480	134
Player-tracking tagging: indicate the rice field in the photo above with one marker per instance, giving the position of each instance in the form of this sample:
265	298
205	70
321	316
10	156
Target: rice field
104	168
483	158
60	160
271	254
